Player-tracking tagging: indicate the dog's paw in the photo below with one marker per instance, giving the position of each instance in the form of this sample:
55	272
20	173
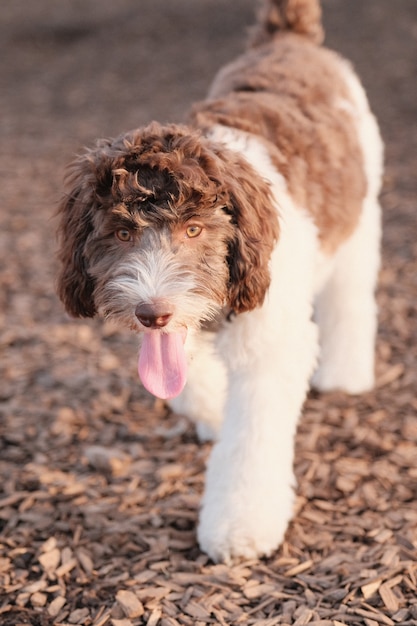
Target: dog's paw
234	546
346	364
353	381
229	539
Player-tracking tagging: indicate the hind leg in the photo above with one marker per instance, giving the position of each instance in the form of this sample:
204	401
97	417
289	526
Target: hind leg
346	310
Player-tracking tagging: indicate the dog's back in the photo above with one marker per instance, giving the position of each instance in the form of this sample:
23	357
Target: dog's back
290	91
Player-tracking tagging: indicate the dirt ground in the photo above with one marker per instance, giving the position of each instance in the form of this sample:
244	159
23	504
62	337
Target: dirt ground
100	485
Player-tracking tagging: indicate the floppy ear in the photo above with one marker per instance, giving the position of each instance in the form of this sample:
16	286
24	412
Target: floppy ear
75	287
255	219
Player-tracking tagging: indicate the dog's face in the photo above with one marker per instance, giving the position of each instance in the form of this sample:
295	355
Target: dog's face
160	232
161	215
157	254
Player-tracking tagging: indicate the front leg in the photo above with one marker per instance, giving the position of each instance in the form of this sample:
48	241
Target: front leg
249	494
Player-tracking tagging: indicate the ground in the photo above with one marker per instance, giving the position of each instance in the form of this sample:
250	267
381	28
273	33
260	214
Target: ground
100	484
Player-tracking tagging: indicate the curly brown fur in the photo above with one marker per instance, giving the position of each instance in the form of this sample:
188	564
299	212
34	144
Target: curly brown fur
160	177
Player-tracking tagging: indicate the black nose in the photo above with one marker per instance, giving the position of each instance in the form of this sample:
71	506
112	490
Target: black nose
155	315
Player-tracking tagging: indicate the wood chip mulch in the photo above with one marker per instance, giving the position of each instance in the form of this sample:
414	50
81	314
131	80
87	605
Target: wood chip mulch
101	493
100	485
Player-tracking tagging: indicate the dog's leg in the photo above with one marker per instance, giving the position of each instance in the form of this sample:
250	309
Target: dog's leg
249	490
203	397
346	311
271	353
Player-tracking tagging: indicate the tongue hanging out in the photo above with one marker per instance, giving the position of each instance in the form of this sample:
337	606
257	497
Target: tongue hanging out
162	363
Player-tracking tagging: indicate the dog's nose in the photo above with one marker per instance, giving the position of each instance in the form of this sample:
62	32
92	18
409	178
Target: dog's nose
155	315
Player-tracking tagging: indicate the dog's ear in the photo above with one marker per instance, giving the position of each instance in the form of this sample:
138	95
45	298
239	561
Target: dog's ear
75	287
256	231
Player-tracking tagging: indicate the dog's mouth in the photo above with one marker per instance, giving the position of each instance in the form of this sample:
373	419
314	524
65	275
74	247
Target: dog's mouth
162	365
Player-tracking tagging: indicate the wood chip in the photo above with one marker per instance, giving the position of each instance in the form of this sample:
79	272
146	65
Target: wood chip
130	604
66	568
388	597
38	599
196	610
390	375
253	591
79	616
56	605
50	560
299	569
371	588
304	617
154	617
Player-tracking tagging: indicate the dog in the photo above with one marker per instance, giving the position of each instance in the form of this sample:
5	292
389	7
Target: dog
243	248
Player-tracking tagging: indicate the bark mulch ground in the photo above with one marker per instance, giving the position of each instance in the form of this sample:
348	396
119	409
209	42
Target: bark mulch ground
100	484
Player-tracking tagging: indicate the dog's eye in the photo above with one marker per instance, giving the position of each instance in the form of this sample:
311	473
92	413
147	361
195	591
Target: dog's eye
123	234
193	231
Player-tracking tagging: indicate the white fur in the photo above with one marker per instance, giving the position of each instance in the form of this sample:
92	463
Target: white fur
346	309
203	398
270	354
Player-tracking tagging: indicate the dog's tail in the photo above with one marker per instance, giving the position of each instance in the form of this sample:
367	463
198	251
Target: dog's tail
298	16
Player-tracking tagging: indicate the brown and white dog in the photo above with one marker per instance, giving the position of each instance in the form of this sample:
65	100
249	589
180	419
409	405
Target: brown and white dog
244	250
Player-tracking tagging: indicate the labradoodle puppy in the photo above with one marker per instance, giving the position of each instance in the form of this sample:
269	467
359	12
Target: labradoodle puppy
244	250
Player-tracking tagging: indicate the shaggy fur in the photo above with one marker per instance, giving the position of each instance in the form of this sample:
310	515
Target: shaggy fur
251	237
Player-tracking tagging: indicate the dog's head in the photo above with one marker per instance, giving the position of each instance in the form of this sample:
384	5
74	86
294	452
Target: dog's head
165	186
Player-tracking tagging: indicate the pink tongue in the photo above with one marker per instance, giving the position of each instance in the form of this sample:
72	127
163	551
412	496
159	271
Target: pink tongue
162	364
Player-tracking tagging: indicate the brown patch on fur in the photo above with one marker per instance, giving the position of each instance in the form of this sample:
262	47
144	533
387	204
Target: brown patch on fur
256	232
288	93
299	16
156	177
